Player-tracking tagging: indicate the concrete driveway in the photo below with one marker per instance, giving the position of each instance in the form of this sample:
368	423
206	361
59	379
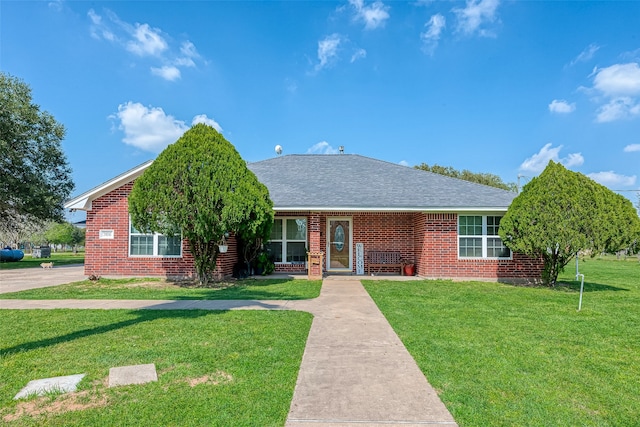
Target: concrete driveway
30	278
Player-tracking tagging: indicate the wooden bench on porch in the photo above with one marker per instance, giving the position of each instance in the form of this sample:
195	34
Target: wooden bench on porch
381	259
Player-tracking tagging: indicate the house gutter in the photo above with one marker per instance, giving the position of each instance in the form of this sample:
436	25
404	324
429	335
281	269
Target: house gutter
447	209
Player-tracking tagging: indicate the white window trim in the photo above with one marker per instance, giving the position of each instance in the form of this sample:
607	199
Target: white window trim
484	237
284	240
155	245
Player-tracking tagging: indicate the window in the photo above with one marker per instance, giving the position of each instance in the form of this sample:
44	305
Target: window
288	241
478	237
141	244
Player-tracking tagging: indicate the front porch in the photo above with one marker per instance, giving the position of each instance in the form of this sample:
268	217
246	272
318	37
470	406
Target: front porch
345	238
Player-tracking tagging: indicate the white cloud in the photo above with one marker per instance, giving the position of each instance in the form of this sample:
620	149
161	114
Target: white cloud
618	80
202	118
331	49
188	54
56	5
573	159
539	161
631	148
618	109
561	106
431	36
633	55
475	15
358	54
611	178
148	128
143	40
373	15
167	72
146	41
188	49
328	51
586	55
98	29
618	87
322	147
403	163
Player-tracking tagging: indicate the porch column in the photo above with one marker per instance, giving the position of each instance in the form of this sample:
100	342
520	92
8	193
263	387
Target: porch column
314	232
316	254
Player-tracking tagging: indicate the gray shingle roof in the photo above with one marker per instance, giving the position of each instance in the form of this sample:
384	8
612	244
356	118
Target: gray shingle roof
353	182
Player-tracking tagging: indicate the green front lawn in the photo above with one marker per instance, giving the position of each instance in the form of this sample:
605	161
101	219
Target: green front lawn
58	258
502	355
146	288
234	368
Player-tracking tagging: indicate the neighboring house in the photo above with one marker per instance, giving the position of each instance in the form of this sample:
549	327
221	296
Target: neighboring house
343	205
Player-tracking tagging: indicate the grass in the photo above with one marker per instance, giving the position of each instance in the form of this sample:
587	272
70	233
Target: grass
140	288
214	368
502	355
58	258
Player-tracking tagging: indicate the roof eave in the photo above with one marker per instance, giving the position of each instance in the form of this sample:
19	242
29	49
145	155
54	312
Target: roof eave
391	209
83	201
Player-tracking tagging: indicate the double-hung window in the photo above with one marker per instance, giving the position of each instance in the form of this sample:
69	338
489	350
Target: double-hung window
478	237
288	241
153	244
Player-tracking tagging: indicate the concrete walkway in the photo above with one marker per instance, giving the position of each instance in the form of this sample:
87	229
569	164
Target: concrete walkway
22	279
355	370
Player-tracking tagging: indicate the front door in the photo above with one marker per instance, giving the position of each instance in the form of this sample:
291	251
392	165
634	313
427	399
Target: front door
339	243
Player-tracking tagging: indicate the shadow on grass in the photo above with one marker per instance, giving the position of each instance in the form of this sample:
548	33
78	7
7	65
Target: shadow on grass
574	286
141	316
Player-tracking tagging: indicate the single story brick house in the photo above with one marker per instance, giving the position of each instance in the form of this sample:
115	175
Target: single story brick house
344	205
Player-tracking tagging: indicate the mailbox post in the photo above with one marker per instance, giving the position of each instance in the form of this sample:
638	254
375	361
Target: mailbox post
315	265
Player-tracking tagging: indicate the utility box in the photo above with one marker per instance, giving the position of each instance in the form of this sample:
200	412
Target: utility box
41	252
315	261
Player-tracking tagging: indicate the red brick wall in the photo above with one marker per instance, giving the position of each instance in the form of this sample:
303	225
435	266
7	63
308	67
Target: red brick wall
110	257
436	242
429	240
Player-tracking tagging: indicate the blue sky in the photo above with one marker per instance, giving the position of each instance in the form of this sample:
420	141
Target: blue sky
485	85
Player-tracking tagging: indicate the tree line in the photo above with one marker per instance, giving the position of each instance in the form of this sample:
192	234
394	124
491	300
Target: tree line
479	178
30	234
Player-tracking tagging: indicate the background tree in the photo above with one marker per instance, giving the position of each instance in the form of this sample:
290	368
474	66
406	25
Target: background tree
560	213
23	229
479	178
78	236
64	234
200	187
34	175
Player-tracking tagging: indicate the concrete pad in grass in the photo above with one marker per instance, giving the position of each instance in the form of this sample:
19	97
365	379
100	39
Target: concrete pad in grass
41	387
134	374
